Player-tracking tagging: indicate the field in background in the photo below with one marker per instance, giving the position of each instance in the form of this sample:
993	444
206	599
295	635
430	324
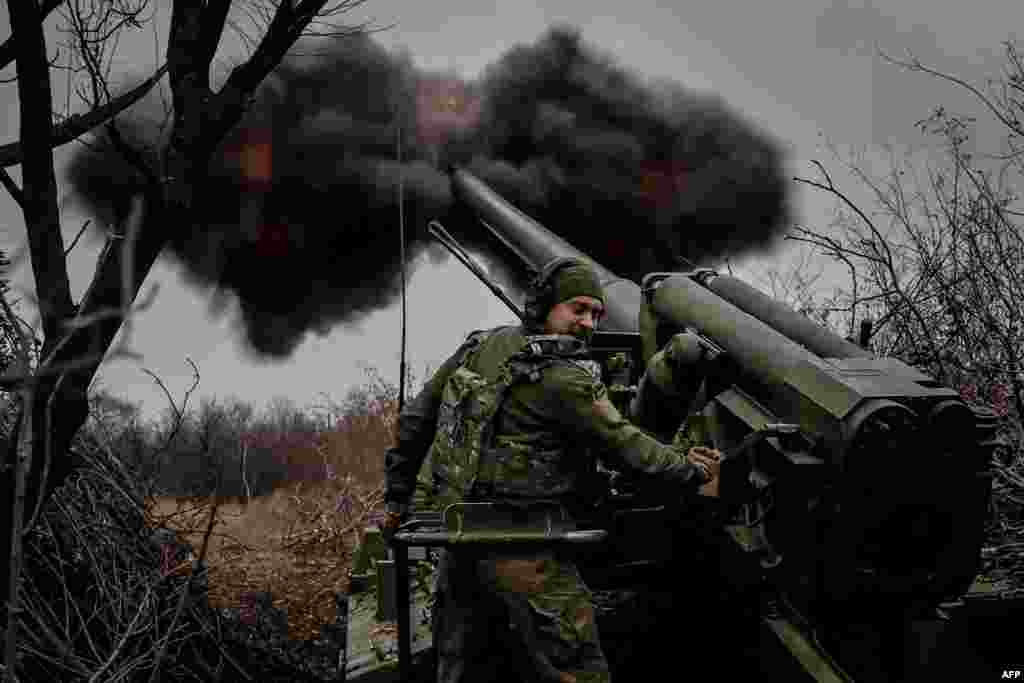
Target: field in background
296	543
322	480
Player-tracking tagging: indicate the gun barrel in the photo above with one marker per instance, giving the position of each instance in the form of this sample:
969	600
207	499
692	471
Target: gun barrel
756	346
797	327
803	388
535	245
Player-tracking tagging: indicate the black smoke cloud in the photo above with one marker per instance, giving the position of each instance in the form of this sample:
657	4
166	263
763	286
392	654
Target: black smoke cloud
300	216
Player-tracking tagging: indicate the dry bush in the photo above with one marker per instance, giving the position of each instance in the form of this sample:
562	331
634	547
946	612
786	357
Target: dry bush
1003	554
118	579
325	517
105	597
934	255
362	427
297	542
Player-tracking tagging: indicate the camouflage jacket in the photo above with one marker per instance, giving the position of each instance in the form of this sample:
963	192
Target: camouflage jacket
567	411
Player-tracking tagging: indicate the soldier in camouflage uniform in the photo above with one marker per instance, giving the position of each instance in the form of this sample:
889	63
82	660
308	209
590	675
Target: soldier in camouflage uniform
553	411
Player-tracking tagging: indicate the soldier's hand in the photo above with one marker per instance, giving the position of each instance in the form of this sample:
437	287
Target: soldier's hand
708	459
711	488
393	518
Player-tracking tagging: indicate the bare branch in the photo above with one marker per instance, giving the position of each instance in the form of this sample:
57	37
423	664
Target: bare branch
184	56
22	465
12	187
198	565
915	64
81	231
286	26
214	17
830	245
8	50
832	189
881	246
178	412
73	127
39	191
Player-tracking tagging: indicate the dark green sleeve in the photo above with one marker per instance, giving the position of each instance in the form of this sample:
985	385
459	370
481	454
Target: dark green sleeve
416	427
581	406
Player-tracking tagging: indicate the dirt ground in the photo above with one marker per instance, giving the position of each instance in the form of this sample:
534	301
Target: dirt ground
299	551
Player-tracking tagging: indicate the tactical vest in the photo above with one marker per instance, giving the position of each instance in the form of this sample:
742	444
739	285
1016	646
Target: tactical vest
466	461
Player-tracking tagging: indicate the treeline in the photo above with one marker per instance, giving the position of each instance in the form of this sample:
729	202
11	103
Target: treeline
229	448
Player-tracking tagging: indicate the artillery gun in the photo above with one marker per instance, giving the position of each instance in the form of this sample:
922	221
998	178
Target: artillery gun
853	496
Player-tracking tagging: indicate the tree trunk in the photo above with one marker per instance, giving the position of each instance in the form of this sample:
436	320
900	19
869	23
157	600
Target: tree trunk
71	356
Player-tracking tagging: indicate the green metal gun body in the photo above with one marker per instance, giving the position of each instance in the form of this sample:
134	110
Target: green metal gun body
882	494
856	486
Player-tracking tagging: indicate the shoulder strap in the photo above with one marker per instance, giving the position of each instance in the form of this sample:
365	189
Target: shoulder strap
526	365
472	344
555	345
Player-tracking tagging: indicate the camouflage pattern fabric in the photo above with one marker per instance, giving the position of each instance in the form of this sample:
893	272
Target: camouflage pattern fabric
547	431
466	459
565	406
468	405
539	601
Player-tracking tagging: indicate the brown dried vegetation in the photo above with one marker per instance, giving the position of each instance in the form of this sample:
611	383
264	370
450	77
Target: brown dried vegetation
295	544
123	579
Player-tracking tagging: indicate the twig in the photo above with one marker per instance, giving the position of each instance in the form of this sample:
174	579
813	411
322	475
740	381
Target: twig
8	182
914	64
47	450
196	568
81	231
218	640
130	631
22	465
73	127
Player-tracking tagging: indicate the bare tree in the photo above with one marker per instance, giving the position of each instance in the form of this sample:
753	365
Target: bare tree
938	261
77	336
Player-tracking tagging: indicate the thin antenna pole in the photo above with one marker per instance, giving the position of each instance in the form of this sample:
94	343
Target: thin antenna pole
401	246
438	231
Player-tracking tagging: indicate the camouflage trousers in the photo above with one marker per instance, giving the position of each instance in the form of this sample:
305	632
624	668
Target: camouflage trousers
538	603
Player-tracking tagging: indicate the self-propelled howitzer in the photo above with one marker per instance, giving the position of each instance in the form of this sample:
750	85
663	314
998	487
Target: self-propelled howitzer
854	489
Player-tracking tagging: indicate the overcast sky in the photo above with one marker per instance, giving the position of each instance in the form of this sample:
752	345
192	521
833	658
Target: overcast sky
802	70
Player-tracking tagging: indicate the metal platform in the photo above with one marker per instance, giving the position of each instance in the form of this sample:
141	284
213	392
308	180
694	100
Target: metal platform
372	645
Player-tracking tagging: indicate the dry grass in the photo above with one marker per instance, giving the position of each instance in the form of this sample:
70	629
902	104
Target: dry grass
297	544
109	592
